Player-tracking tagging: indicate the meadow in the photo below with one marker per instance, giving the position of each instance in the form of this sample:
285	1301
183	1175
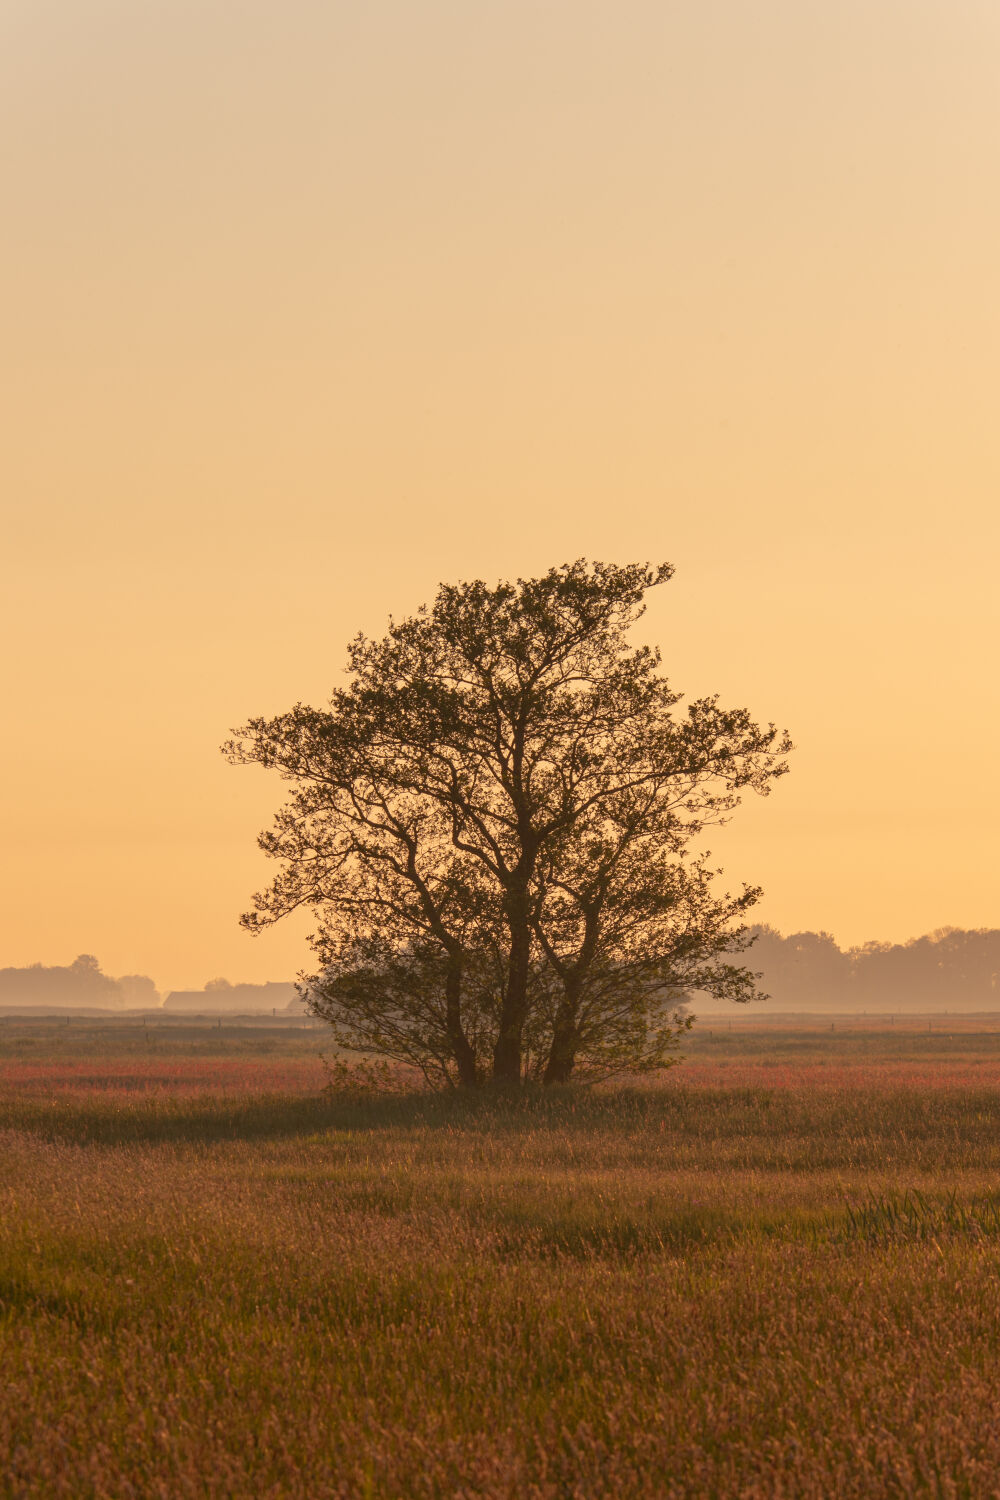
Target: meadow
774	1273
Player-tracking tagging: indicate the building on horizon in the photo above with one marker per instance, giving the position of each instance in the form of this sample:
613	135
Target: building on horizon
242	999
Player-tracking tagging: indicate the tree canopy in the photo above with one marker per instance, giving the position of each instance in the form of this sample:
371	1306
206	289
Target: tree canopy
495	823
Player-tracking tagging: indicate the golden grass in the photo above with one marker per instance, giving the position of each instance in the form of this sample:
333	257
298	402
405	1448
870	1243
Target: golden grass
693	1290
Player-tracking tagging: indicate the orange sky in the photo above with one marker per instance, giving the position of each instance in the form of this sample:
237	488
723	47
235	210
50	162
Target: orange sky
308	307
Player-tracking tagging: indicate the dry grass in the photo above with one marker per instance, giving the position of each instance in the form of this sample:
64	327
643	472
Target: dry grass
713	1288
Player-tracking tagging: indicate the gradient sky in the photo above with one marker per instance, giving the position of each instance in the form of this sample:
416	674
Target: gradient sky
308	307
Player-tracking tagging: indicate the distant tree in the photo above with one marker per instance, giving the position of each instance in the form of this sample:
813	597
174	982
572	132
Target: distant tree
217	984
968	962
949	969
945	969
138	992
805	969
493	823
79	983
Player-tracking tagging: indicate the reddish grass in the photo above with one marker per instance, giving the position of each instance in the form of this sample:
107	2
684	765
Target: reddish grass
187	1075
175	1075
898	1073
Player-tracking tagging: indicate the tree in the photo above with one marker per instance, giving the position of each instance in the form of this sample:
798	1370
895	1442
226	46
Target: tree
493	824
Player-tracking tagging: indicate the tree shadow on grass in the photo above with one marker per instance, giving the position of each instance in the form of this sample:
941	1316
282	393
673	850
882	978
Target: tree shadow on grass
174	1119
717	1114
100	1120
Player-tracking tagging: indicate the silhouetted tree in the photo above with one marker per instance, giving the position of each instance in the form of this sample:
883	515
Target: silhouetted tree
493	824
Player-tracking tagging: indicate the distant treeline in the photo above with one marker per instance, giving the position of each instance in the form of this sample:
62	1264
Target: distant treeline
79	983
82	984
951	969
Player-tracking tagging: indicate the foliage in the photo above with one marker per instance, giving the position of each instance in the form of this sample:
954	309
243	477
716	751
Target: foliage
493	824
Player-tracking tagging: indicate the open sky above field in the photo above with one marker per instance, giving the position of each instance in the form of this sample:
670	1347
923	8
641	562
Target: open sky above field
310	307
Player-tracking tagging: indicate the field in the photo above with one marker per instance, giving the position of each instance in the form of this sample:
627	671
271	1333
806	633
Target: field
775	1273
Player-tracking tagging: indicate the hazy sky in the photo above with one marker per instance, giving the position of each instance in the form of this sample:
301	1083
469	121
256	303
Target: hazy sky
307	307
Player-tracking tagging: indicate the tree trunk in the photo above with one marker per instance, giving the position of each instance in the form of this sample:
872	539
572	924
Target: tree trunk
561	1059
514	1011
465	1058
562	1053
507	1058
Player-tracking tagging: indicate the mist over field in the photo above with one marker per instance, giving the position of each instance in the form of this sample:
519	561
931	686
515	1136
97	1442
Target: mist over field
950	970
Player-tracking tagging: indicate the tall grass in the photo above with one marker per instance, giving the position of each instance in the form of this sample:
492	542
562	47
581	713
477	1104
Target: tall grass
690	1291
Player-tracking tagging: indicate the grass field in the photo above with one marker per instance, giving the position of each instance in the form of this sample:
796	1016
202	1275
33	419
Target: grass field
776	1273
